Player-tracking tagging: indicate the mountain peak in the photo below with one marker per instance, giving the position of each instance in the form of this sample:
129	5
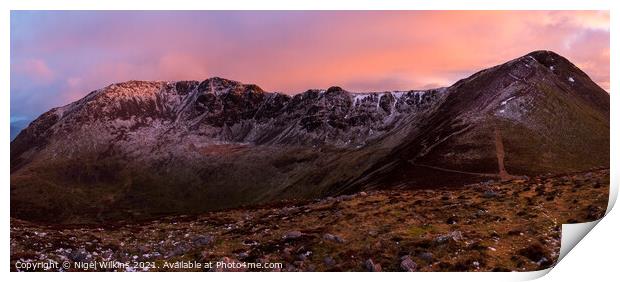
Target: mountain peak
222	86
217	79
556	64
334	89
544	55
129	89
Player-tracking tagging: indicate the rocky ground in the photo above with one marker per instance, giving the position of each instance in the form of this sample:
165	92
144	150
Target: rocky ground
493	226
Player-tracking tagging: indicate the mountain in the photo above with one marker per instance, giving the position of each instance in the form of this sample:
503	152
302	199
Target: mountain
145	149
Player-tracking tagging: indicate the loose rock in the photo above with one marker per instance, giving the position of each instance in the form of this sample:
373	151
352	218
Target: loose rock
292	235
203	240
371	266
78	255
329	261
407	264
331	237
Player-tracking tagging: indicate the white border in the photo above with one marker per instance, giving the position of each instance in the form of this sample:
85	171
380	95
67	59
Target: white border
579	265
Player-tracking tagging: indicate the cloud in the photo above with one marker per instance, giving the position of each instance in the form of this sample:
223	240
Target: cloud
578	19
288	51
35	69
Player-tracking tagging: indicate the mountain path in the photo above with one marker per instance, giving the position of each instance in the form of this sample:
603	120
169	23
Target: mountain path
499	148
457	171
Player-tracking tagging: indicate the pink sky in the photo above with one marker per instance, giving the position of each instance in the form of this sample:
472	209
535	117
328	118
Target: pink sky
58	57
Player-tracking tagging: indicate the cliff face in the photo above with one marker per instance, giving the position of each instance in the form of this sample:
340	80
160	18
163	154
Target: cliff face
149	148
219	110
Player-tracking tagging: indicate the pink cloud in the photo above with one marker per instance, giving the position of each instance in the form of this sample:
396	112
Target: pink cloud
294	51
35	69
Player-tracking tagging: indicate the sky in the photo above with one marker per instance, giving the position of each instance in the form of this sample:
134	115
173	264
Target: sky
58	57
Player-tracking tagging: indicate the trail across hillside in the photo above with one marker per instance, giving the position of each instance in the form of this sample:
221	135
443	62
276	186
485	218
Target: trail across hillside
499	148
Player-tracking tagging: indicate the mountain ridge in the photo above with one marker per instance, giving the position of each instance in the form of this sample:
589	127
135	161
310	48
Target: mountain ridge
190	146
